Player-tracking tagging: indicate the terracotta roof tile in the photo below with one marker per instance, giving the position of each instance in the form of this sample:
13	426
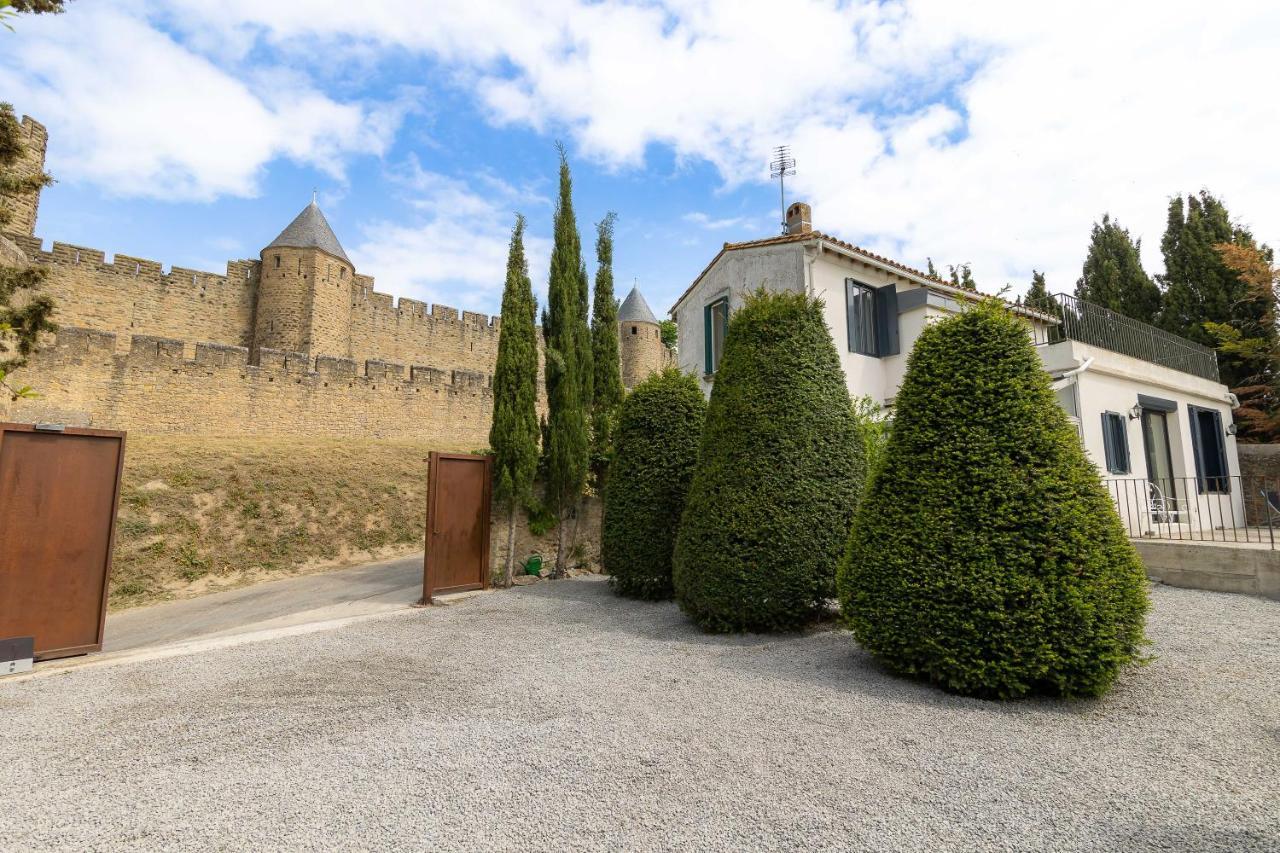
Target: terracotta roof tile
932	280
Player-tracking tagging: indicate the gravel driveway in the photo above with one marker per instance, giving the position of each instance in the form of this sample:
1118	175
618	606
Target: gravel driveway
558	717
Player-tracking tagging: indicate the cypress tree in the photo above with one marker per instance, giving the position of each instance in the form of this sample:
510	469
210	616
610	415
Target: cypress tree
962	277
1113	276
514	435
606	362
1200	288
568	442
987	556
1038	297
779	473
659	429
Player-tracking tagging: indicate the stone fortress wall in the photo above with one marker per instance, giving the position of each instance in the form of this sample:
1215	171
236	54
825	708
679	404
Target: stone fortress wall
296	342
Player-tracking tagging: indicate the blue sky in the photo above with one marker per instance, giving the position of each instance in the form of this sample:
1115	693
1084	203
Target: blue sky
191	132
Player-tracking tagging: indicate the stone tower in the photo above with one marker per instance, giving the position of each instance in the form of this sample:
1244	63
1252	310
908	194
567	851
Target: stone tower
639	340
304	290
23	207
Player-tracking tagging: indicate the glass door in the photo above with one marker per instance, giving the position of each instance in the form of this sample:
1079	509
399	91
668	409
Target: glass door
1155	438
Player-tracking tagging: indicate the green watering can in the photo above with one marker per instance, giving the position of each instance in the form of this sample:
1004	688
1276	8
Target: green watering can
533	565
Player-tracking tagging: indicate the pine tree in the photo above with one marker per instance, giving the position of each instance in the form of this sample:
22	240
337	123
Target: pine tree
568	441
514	435
1038	297
1113	276
962	277
606	361
931	269
1199	287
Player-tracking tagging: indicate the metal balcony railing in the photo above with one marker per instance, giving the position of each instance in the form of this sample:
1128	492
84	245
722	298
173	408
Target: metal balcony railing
1232	509
1101	327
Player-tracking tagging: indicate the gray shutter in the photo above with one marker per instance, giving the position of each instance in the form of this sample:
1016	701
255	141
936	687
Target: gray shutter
886	299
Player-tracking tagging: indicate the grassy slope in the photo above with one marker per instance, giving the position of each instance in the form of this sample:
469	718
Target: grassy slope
198	514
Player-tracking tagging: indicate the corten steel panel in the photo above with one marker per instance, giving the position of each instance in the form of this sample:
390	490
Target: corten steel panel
58	498
457	546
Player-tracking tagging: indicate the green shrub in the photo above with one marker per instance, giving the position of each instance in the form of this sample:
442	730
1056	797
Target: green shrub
655	451
778	478
987	556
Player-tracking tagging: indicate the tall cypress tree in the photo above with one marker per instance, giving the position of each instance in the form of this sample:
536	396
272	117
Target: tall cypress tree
605	359
1113	276
1038	297
514	435
1199	287
567	443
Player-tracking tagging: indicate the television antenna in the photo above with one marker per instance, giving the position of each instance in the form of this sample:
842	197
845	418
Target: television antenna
782	166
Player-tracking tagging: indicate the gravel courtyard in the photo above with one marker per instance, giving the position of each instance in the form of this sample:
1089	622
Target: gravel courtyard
557	717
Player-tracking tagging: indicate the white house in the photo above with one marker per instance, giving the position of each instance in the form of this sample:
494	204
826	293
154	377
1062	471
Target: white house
1148	405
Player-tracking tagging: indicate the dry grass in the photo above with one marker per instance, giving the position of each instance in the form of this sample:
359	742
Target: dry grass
200	514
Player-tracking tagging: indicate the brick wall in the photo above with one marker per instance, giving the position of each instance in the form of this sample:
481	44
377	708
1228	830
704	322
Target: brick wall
154	387
131	295
24	207
642	351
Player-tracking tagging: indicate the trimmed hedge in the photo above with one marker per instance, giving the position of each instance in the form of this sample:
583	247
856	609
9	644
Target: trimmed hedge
987	556
655	451
778	478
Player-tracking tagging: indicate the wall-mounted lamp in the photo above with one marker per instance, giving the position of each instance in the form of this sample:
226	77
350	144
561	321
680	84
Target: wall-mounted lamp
1135	412
1231	429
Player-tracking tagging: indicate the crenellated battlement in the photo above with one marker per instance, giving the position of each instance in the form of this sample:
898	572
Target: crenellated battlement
72	345
239	273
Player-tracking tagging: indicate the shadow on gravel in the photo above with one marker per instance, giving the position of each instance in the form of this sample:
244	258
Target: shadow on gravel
823	656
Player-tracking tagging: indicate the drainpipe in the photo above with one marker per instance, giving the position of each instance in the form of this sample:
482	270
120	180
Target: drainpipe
1233	400
808	269
1064	380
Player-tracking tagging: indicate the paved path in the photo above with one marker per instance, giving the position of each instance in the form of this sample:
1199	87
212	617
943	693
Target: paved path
371	588
559	717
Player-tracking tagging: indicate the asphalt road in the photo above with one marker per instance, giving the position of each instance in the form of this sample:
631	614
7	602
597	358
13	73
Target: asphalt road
371	588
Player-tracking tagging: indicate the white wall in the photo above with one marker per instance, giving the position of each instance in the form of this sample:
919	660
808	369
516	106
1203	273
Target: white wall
775	268
1112	384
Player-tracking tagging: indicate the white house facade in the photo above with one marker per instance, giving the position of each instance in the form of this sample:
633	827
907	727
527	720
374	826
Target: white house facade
1148	405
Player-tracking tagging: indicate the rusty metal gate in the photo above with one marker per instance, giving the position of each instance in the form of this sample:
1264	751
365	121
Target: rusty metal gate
59	489
458	495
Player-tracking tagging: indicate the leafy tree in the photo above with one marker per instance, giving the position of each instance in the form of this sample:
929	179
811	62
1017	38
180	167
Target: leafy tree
1199	287
10	8
987	556
670	333
514	435
606	361
779	474
1253	346
1038	297
567	338
657	439
873	431
931	269
1113	276
21	325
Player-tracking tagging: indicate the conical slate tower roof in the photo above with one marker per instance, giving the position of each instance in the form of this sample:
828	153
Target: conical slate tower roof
635	310
310	230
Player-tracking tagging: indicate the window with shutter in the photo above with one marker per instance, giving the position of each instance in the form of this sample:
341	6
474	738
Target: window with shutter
1115	443
715	328
861	316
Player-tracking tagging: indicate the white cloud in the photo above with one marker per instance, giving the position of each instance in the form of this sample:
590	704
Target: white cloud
989	132
702	220
141	115
456	252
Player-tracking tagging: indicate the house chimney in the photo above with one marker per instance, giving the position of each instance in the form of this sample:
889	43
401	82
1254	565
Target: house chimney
799	218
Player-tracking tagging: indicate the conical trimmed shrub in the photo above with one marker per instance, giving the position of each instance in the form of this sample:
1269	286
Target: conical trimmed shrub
778	477
655	451
986	556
